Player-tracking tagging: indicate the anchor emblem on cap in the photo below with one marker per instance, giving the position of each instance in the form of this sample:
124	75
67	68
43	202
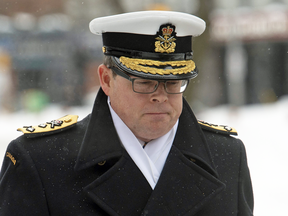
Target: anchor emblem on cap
165	42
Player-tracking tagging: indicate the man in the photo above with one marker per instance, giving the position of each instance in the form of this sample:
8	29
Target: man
141	151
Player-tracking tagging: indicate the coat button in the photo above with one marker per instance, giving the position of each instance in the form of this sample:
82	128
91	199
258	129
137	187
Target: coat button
193	160
101	163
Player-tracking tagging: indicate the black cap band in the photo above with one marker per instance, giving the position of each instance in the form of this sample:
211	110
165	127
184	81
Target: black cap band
112	51
143	46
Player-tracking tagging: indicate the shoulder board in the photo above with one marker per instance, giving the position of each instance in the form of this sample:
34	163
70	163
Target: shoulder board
51	127
223	129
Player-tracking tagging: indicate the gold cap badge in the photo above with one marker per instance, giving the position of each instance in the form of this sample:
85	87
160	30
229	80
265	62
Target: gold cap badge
165	41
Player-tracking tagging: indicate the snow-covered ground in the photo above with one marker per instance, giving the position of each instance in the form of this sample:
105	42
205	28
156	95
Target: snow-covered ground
263	128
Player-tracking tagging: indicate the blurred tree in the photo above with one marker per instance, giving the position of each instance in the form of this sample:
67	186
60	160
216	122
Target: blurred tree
36	7
200	46
116	5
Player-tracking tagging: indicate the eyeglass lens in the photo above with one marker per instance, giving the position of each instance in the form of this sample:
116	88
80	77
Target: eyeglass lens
149	86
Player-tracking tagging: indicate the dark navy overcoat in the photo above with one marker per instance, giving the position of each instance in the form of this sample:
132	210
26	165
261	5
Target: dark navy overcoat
84	170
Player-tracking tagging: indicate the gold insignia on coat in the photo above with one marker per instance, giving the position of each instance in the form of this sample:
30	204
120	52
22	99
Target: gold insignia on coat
165	42
50	127
224	129
9	155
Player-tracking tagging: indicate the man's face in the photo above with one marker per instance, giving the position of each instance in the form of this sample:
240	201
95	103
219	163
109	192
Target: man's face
148	116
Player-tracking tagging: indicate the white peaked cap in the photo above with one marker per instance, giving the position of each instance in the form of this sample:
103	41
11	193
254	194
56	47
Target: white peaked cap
148	22
150	44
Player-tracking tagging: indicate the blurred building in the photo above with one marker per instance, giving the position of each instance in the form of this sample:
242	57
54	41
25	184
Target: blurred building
250	49
243	59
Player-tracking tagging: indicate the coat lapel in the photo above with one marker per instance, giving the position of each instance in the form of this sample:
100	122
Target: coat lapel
189	178
183	188
121	189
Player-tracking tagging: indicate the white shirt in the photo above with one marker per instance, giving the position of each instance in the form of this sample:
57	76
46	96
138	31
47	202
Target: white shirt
151	159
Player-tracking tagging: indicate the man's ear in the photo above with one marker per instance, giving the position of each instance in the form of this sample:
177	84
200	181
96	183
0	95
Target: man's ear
105	76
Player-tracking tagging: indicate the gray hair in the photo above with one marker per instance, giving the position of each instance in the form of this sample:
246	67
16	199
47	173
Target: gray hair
108	62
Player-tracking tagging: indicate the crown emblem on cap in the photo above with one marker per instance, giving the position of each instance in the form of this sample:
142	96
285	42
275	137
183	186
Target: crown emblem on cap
165	41
167	31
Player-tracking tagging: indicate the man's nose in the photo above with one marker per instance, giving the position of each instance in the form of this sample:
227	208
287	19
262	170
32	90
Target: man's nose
160	95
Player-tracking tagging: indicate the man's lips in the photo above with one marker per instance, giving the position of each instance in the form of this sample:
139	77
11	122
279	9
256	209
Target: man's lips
155	114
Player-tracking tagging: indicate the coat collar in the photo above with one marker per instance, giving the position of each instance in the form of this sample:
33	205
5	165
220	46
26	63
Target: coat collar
96	148
189	178
100	141
184	186
190	140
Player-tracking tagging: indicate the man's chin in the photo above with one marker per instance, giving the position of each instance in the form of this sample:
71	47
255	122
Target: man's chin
154	133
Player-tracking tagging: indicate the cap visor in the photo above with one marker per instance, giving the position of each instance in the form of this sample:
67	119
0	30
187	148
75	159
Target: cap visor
158	70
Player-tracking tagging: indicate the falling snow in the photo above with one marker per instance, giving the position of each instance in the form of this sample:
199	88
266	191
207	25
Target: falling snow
262	128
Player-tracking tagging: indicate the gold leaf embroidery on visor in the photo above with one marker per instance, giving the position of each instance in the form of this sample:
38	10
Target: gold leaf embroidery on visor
150	66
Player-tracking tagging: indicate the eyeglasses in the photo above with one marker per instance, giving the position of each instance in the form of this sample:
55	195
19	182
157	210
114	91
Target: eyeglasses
147	86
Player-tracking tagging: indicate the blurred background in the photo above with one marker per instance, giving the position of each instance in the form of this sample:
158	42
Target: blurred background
49	60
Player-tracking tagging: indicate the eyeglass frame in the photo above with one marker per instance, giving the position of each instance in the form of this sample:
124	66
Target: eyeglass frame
126	76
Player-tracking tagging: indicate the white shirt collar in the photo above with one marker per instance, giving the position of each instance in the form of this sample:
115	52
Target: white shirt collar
151	159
